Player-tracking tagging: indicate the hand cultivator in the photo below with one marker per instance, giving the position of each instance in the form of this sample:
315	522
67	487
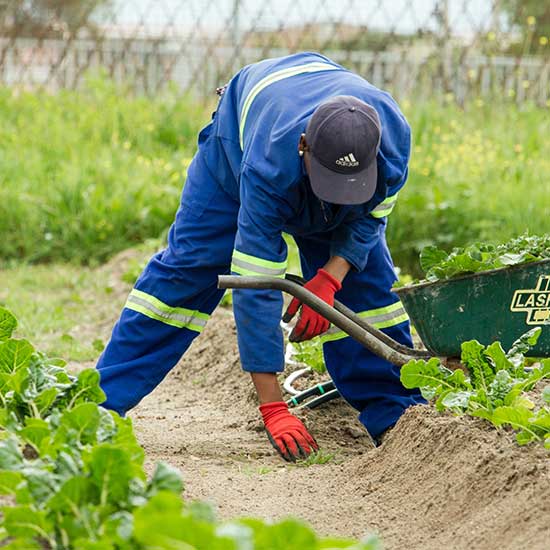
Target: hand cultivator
340	316
500	304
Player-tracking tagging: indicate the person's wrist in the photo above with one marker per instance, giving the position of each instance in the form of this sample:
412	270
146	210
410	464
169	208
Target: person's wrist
337	267
274	408
331	279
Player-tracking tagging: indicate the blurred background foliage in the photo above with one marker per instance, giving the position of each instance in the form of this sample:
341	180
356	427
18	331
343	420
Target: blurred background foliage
88	173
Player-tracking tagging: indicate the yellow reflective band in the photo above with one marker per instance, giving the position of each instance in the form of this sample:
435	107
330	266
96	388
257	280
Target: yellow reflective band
276	77
382	317
245	264
152	307
385	207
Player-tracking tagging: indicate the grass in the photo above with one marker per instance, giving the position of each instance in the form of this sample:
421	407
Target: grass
51	303
318	458
68	310
86	174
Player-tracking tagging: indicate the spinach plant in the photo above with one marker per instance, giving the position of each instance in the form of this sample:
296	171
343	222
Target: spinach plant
496	388
72	477
438	264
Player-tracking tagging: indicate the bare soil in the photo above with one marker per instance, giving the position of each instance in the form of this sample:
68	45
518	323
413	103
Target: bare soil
436	482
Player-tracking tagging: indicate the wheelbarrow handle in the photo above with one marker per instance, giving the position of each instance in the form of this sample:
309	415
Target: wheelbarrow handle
337	318
350	314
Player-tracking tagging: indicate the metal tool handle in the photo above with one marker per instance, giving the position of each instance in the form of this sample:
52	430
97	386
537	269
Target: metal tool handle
343	322
350	314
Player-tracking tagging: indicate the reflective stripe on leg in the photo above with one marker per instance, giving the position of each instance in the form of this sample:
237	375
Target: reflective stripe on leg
154	308
382	317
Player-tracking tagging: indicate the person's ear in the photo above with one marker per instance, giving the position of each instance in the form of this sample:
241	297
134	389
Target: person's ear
302	145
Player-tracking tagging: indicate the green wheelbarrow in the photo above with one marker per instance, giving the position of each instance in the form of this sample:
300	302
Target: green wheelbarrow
501	304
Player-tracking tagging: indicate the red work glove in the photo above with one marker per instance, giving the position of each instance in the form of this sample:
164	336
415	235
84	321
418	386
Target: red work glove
287	434
310	323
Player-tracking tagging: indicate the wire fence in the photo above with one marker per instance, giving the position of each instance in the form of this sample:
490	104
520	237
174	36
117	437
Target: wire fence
461	49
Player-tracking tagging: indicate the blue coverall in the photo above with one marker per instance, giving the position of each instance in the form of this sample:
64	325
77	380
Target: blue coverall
246	186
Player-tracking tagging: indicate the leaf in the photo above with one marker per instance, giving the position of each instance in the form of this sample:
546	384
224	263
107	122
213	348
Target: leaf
201	511
428	393
35	431
497	355
181	531
165	478
500	387
74	492
125	438
8	323
24	521
510	258
241	535
107	429
9	481
15	355
534	376
287	534
111	472
421	374
87	388
17	381
541	422
79	424
546	395
41	484
166	509
481	372
98	345
517	417
430	257
522	345
523	437
119	525
457	400
11	457
45	399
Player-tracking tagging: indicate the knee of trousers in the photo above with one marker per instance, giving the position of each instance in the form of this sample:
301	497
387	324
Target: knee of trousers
141	352
360	375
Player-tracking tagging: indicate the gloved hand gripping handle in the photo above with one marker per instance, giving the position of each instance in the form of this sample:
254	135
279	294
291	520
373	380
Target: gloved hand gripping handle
345	320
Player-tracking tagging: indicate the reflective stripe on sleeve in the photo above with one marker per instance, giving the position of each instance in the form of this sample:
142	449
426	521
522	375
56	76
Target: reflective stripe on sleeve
382	317
153	308
276	77
244	264
385	207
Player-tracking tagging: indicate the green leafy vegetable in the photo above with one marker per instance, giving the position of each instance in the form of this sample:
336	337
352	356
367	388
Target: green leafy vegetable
494	390
74	472
438	264
8	323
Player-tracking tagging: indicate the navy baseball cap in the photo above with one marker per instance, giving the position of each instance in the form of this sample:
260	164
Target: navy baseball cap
343	136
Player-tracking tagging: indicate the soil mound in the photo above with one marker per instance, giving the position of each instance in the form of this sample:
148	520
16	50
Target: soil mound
444	482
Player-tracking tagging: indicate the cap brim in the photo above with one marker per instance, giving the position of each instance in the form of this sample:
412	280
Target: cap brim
343	189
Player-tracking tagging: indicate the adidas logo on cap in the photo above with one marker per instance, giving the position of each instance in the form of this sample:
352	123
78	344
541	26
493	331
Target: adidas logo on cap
348	160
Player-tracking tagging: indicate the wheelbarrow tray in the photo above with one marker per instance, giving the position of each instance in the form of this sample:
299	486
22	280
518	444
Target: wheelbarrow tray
501	304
